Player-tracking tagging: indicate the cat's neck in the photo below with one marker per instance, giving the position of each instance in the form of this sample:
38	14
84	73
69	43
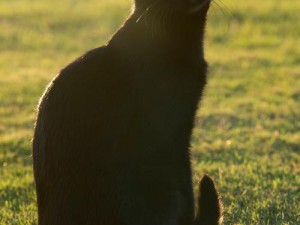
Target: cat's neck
182	35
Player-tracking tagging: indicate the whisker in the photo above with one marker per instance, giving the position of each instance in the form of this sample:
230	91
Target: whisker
225	6
225	11
147	9
198	7
153	10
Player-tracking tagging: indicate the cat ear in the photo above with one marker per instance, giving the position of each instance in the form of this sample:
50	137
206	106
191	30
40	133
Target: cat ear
209	204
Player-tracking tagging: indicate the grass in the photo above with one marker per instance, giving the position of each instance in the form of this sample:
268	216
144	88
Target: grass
247	133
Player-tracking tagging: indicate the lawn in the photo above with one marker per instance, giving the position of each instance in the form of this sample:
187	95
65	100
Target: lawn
247	132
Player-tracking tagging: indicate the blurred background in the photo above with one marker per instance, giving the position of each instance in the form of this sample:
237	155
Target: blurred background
247	133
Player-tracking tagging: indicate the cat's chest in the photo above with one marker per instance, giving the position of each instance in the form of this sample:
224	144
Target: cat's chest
167	99
169	88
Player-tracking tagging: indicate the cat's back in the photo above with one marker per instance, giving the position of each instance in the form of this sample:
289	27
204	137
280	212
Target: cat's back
92	85
89	94
97	70
77	124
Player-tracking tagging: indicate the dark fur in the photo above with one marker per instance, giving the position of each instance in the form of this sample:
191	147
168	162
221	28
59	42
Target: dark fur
113	129
210	207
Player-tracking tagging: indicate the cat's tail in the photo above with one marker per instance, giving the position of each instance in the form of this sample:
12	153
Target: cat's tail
209	204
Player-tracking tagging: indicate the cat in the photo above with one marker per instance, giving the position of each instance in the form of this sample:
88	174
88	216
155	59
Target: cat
112	134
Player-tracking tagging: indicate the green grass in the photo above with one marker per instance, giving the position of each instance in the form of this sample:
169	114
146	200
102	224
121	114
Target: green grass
247	134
